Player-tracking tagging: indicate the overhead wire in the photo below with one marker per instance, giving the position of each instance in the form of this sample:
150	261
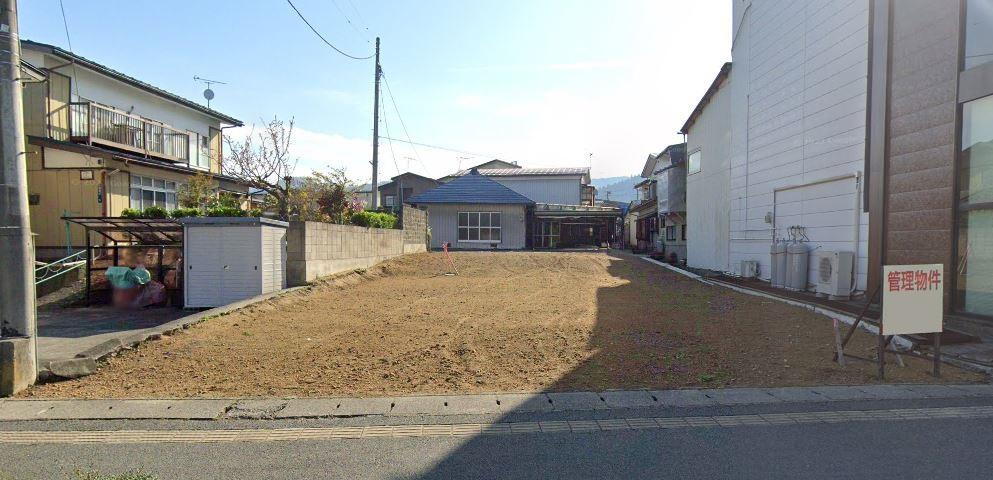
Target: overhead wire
353	57
349	21
65	23
400	117
386	124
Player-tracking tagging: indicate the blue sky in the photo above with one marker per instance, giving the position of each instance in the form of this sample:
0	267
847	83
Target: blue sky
541	82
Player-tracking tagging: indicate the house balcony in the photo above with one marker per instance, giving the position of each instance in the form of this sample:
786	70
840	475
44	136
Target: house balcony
96	124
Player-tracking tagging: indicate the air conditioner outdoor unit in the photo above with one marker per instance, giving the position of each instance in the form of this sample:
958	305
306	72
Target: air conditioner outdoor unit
749	269
834	275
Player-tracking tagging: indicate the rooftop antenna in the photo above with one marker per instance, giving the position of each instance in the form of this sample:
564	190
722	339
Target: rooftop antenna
207	92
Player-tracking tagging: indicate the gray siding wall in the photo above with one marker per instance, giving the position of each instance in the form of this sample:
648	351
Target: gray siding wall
444	219
798	108
707	209
558	190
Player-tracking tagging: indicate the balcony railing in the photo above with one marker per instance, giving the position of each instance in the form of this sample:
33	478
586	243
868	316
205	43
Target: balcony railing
94	123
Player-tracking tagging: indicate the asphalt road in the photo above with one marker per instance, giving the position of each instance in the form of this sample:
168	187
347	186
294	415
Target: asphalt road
923	448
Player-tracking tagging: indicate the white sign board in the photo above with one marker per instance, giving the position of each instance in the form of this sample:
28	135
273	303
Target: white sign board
912	298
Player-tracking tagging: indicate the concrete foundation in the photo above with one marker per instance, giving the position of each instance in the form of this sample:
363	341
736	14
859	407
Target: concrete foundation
17	365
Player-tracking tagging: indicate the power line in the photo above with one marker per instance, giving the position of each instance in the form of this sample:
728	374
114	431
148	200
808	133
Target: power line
358	15
349	21
65	23
438	147
322	36
393	154
402	124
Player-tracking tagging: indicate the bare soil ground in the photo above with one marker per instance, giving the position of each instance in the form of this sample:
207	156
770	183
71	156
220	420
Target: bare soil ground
508	322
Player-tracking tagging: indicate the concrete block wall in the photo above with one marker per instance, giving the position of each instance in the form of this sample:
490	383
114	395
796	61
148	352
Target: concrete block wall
415	225
316	249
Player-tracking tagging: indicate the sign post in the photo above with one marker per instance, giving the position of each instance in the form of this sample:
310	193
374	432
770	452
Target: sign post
912	303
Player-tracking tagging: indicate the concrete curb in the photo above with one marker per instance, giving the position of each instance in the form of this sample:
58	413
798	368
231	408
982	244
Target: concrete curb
85	362
478	404
899	341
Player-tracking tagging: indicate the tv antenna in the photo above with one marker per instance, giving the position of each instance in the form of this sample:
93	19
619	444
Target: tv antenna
207	92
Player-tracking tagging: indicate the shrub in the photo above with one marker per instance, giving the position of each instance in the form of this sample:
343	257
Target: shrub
154	212
185	212
374	219
221	211
131	213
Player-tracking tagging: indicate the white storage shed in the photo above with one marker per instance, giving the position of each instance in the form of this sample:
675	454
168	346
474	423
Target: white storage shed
227	259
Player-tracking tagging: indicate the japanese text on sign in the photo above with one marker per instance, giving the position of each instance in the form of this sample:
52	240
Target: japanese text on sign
912	299
913	280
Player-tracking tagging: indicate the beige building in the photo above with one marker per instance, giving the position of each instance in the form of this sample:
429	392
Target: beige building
100	141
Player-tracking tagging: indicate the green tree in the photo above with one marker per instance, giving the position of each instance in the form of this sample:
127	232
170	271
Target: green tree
198	192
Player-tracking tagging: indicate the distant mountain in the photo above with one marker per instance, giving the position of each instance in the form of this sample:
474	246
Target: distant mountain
620	189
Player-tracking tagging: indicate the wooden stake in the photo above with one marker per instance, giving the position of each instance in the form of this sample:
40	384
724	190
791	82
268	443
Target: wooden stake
838	343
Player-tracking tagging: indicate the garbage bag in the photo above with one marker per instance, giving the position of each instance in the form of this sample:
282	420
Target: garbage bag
124	297
124	277
151	293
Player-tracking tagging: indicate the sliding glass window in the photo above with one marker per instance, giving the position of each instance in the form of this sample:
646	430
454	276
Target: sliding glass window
974	267
978	33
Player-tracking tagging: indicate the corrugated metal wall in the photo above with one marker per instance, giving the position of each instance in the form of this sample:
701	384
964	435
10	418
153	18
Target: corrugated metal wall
798	109
559	190
444	218
707	209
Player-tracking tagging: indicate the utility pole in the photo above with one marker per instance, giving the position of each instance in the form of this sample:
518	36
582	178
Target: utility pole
375	134
18	357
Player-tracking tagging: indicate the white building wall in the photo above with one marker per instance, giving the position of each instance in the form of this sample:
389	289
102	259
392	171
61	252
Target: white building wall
798	109
545	189
88	85
444	221
707	200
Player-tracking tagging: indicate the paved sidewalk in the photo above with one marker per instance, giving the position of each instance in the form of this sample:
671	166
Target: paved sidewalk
445	405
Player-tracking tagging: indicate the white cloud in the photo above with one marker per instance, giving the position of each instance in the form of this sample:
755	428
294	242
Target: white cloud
587	65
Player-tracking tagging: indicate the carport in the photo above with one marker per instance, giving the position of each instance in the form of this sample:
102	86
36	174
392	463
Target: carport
566	226
155	243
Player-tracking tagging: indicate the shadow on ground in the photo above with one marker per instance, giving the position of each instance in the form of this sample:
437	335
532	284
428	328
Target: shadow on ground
690	334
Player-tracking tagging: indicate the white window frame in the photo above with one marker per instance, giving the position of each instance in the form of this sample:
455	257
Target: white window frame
468	227
389	200
199	152
144	183
689	162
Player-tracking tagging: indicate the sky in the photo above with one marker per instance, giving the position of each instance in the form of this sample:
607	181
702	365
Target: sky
545	83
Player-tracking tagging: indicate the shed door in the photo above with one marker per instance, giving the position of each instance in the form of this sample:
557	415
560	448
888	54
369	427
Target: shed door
240	255
203	266
273	258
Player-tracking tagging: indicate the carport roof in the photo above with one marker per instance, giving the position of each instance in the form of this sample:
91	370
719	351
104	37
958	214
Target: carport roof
472	188
146	231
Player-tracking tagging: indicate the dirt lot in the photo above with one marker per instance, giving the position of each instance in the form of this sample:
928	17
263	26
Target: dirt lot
508	322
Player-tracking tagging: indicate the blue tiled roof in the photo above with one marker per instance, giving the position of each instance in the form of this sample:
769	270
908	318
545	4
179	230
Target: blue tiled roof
472	188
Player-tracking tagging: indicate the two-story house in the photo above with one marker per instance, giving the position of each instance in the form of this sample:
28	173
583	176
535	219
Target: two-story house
401	187
551	208
643	213
100	141
670	193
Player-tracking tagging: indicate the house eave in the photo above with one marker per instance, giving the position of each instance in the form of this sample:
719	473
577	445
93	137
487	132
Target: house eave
134	82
